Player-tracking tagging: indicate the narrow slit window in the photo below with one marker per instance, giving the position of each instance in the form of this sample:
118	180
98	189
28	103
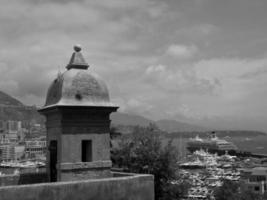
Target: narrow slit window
86	150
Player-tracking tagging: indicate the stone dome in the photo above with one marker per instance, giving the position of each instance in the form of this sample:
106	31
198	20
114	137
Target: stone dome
77	86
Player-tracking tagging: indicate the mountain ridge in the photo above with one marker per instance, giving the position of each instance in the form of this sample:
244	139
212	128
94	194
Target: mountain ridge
178	126
13	109
164	124
7	100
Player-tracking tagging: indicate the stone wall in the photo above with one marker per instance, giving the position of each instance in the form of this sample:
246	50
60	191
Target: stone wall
9	180
75	175
133	187
69	126
71	146
20	179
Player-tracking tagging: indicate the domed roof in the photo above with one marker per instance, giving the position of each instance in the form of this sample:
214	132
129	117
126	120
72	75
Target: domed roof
77	86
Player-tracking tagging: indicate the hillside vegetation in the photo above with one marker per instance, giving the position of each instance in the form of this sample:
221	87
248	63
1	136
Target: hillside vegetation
13	109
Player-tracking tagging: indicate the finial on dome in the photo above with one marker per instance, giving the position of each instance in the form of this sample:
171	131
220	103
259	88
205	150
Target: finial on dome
77	47
77	61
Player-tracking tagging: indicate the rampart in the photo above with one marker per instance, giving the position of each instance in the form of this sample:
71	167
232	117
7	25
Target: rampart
121	187
20	179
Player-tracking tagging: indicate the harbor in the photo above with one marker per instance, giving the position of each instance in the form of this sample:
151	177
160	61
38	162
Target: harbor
206	171
206	168
21	167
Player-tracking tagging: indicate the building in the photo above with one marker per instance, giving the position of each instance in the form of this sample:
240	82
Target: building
11	130
7	149
19	152
255	179
36	148
77	111
2	126
7	152
10	133
13	127
14	131
10	151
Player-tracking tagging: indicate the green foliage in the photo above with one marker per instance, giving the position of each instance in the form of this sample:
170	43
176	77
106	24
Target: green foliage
228	191
143	152
249	195
114	133
235	191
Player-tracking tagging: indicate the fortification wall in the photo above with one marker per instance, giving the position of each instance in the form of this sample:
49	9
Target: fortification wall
26	178
133	187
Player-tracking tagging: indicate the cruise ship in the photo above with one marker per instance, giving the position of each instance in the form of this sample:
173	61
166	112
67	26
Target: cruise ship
212	144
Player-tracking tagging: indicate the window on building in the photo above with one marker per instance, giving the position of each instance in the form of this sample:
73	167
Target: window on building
257	188
86	150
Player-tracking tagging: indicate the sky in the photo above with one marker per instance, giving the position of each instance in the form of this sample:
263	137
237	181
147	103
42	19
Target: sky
197	61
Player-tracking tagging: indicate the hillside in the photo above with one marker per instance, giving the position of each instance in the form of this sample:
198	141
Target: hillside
122	119
13	109
7	100
129	120
173	125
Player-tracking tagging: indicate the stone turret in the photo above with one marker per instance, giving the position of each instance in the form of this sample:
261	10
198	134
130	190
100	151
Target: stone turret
77	111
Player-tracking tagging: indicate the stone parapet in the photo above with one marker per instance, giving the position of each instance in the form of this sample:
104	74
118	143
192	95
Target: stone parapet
130	187
86	165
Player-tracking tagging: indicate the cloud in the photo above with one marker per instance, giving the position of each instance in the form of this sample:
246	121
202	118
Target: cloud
233	75
199	30
182	79
202	91
239	98
155	68
152	54
260	71
181	51
37	40
205	29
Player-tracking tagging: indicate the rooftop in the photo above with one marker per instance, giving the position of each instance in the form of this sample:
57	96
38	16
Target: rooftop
78	86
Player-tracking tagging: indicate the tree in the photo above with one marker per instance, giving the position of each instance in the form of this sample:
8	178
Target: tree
228	191
114	132
231	190
143	152
249	195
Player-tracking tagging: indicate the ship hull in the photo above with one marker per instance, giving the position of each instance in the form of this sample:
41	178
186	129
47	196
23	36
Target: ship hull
218	151
221	152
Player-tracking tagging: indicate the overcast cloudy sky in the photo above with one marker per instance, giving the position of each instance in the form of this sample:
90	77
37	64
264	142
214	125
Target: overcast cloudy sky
203	61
